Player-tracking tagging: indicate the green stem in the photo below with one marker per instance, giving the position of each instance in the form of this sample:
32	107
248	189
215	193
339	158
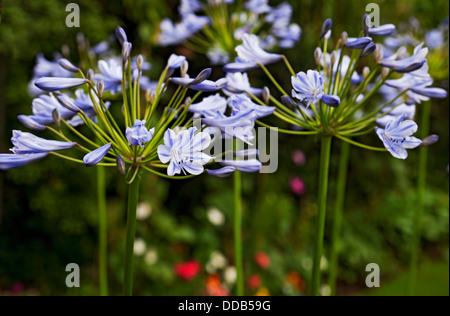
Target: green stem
421	187
103	232
238	233
133	196
322	207
338	215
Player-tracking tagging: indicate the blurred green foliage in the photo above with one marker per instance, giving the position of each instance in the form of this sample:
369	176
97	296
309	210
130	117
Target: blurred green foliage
48	210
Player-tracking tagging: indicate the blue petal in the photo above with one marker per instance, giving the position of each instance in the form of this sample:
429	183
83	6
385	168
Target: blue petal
222	173
96	156
331	100
248	166
358	43
430	92
240	67
383	30
56	84
11	161
30	123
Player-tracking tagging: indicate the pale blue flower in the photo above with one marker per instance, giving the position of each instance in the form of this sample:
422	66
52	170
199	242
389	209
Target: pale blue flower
111	74
242	103
396	137
409	112
175	61
55	84
43	108
96	156
288	35
281	15
46	68
430	92
183	151
27	143
258	6
218	56
238	83
409	64
189	6
308	87
210	106
11	161
101	48
30	123
435	39
138	135
250	55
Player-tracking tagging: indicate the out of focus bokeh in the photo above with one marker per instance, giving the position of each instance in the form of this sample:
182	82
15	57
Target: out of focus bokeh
48	215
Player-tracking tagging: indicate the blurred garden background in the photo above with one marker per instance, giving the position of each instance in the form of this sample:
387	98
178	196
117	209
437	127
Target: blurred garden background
48	215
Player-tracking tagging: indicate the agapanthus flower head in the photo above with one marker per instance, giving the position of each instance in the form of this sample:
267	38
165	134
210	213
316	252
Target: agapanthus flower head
308	87
139	135
396	137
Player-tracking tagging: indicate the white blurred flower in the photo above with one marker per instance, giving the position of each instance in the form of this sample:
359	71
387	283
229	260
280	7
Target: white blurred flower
151	257
144	210
218	260
216	217
307	263
324	264
325	290
139	247
230	275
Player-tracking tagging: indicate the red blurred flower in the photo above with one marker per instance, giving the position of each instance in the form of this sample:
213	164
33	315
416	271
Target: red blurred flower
262	259
254	281
297	186
187	270
17	288
214	287
299	157
295	279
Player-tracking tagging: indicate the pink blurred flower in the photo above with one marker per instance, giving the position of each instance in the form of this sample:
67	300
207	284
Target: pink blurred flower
17	288
262	259
254	281
299	157
187	270
297	186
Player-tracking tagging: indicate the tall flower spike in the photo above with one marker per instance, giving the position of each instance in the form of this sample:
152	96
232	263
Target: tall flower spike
96	156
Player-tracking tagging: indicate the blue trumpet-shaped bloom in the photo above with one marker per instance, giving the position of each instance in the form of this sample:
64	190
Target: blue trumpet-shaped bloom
358	43
138	135
210	106
96	156
183	151
205	86
27	143
55	84
248	166
11	161
43	108
409	111
242	103
111	74
46	68
222	172
409	64
30	123
250	54
238	83
308	87
396	137
258	6
383	30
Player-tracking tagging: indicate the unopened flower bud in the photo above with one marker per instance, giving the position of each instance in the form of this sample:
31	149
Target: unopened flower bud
56	117
188	101
430	140
100	88
318	55
202	76
334	57
65	49
366	22
368	50
150	96
139	62
90	75
344	37
184	68
68	103
326	28
126	51
121	165
81	41
379	54
366	72
266	95
121	35
401	52
288	102
385	72
67	65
